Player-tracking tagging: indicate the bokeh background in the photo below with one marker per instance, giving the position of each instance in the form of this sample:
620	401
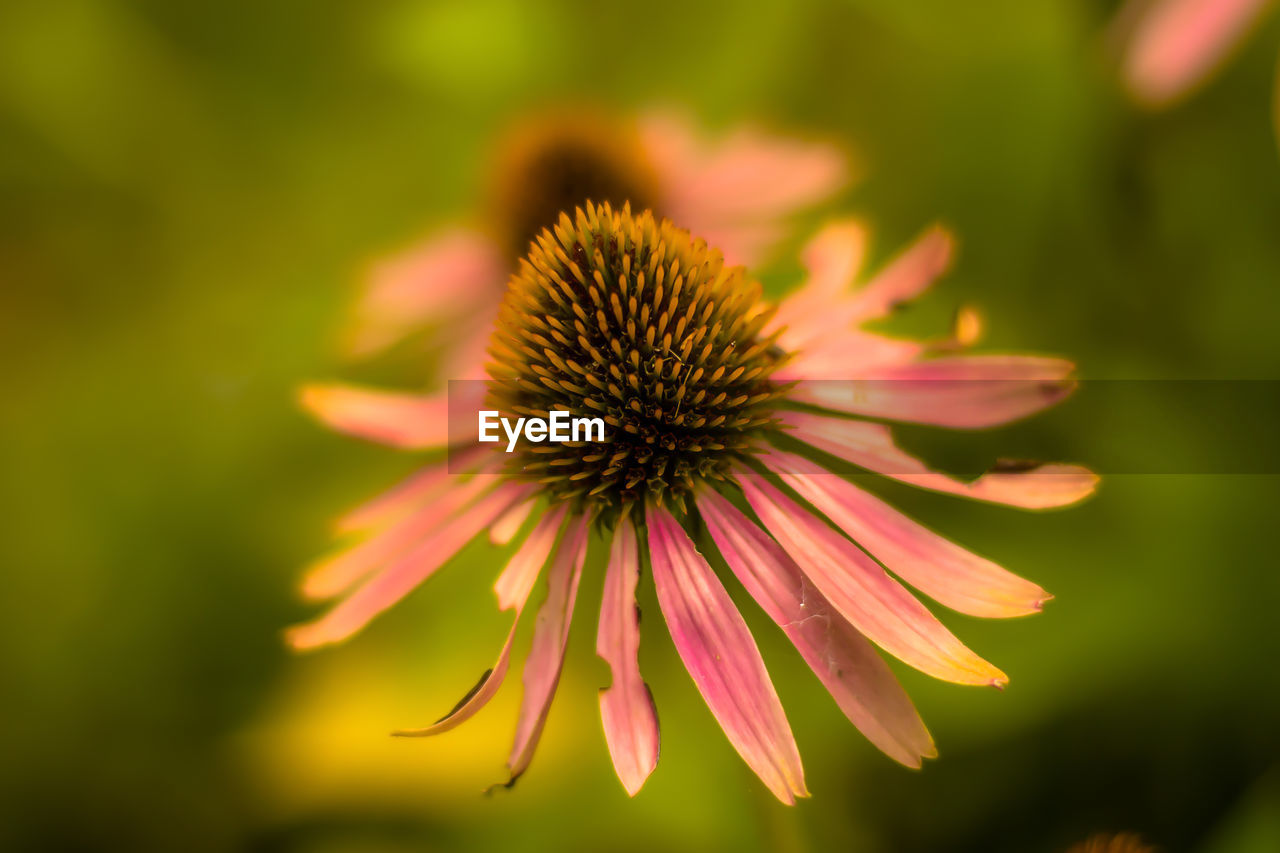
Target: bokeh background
188	193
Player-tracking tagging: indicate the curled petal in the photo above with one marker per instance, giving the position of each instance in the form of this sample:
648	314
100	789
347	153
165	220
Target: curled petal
861	683
1177	44
906	276
871	446
453	275
518	579
394	582
721	656
960	392
821	307
877	605
626	705
936	566
832	259
820	315
546	655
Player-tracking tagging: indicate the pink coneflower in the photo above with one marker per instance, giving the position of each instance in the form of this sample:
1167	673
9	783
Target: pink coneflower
697	377
1173	46
737	192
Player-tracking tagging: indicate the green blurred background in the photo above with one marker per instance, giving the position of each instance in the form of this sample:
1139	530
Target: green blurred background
188	191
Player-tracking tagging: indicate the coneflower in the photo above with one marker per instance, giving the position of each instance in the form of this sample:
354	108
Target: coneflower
700	383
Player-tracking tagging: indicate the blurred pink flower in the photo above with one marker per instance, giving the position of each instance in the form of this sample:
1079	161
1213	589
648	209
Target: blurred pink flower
1105	843
1173	46
737	192
707	392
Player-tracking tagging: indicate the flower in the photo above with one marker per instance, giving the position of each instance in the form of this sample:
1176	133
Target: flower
1173	46
736	193
710	423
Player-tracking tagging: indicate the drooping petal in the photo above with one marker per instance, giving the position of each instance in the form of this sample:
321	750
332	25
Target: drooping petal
513	588
721	656
960	392
871	446
1177	44
936	566
394	582
335	574
410	421
450	276
626	705
877	605
861	683
546	655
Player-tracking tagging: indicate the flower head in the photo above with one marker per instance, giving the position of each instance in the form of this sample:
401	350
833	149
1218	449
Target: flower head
737	193
713	416
633	320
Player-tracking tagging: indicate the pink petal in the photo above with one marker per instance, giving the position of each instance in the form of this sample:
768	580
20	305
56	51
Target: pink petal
937	567
821	314
546	655
960	392
516	580
450	276
877	605
506	528
848	354
413	492
870	446
513	587
741	243
333	575
906	276
626	705
832	259
861	683
753	174
410	421
1178	43
834	256
738	190
397	580
721	656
